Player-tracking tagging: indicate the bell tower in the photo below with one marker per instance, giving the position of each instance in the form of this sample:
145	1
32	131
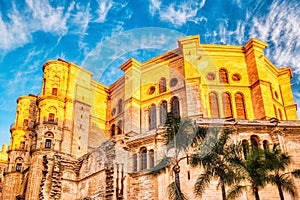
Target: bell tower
22	132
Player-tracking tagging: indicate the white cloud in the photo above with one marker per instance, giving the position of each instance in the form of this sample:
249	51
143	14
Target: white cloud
281	29
23	78
47	18
18	24
223	35
81	20
201	4
154	6
178	16
104	7
27	76
37	15
112	49
14	32
177	13
4	105
238	2
239	32
82	17
32	54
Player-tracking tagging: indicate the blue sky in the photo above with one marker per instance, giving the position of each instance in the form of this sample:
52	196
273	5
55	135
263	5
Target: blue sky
99	35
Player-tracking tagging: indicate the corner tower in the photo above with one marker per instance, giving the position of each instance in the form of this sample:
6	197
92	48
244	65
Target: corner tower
270	87
22	132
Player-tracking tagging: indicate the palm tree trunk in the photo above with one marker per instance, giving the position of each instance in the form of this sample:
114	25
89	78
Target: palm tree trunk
176	170
280	193
223	190
257	196
255	191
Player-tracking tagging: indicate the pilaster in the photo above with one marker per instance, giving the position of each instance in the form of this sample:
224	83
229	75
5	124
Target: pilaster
132	96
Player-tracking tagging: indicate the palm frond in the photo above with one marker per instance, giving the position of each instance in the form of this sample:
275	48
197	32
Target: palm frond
235	191
202	182
275	159
277	162
172	125
203	158
207	145
179	132
185	134
232	175
224	135
235	150
174	193
237	161
296	173
162	165
200	134
273	179
288	185
284	182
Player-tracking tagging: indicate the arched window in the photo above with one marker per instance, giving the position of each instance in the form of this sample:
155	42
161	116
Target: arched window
19	162
279	114
143	152
19	167
54	91
163	112
112	130
22	145
48	142
120	129
52	112
162	85
266	144
51	117
25	122
223	76
240	106
227	105
245	148
152	117
134	157
254	141
120	106
214	105
151	157
175	106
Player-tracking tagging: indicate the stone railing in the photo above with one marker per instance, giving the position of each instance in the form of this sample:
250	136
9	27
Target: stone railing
50	121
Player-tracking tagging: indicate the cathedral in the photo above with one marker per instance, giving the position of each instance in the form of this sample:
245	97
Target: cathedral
82	140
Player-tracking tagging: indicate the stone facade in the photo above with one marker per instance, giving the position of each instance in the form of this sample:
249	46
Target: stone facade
3	164
80	139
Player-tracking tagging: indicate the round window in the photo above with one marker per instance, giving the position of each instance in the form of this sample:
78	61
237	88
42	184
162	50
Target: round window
211	76
151	90
173	82
236	77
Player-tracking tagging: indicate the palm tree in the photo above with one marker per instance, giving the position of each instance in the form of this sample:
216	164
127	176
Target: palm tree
277	162
212	155
262	166
179	135
253	168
